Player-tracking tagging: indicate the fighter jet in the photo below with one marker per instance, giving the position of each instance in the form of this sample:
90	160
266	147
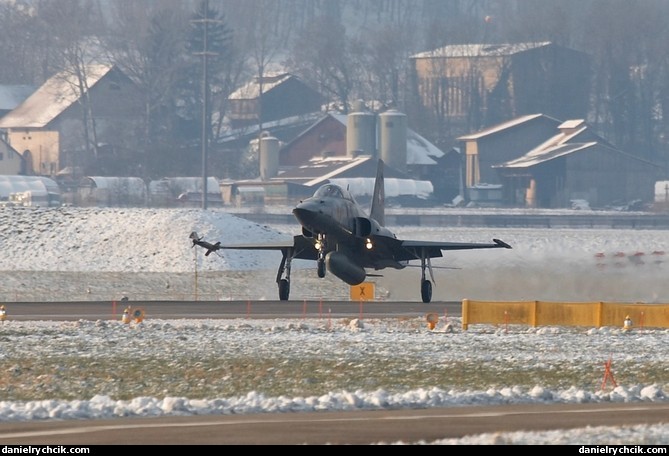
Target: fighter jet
347	242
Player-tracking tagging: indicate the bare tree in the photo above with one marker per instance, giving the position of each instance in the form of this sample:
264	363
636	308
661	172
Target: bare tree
322	56
147	41
74	27
630	61
347	49
19	44
385	62
261	42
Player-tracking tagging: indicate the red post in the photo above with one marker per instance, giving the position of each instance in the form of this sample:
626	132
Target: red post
304	309
608	375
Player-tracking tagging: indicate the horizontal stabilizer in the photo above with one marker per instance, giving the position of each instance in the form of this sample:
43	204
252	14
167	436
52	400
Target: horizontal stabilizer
501	243
212	248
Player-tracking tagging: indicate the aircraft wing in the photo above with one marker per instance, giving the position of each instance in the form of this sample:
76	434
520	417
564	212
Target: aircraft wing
411	250
302	247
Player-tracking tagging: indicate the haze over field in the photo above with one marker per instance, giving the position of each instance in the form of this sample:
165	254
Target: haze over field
147	255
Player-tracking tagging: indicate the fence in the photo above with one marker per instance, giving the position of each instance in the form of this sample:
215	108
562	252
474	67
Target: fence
547	313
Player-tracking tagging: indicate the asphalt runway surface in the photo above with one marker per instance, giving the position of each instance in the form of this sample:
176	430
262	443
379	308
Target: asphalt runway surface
357	427
320	428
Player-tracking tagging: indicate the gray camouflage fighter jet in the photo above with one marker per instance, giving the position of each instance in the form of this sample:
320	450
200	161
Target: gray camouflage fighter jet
344	240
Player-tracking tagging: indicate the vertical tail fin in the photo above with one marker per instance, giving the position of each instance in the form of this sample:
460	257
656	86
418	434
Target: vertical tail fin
377	211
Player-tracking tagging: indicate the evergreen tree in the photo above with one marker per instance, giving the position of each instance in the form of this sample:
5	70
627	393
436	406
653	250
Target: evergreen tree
209	22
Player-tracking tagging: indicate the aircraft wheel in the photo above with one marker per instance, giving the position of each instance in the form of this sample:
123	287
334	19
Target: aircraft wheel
426	290
321	268
284	289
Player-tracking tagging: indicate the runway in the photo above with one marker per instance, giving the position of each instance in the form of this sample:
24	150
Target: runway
319	428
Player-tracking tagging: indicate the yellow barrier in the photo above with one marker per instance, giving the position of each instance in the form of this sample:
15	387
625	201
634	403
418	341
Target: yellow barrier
547	313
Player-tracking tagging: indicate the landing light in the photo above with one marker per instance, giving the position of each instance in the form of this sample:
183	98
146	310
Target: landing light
368	244
317	245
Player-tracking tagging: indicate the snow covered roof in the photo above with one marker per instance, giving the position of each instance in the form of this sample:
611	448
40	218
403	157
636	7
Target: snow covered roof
332	166
325	170
480	50
51	99
251	90
504	126
573	136
420	151
359	186
541	155
274	127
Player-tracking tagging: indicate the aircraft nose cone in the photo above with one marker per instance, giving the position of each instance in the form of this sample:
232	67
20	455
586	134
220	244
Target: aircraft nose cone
307	212
303	215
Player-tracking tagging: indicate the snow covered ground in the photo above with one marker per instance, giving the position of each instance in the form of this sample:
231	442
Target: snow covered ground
85	370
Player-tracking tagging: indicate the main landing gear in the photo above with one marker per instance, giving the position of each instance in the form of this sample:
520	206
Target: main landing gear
425	284
283	274
284	268
284	289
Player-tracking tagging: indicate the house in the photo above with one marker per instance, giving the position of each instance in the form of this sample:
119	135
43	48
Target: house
239	141
11	162
326	137
502	142
577	164
539	161
481	84
271	97
48	127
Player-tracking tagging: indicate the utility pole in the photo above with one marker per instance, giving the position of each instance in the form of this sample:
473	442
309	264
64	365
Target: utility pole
205	95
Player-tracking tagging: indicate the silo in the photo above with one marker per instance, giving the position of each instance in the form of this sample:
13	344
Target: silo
393	139
269	157
360	132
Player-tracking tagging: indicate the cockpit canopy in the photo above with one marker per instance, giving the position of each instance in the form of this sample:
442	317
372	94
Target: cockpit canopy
333	191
